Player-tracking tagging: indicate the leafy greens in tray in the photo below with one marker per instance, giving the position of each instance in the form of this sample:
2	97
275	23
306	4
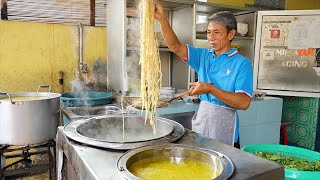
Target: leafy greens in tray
291	162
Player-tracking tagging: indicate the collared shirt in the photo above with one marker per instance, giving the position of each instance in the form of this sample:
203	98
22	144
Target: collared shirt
229	71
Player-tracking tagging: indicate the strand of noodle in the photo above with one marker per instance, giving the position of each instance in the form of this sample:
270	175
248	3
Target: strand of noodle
150	63
122	118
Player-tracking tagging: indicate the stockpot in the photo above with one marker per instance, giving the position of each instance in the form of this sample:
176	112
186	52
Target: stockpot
28	117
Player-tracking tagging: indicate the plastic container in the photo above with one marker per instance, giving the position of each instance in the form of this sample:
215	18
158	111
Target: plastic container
289	151
86	98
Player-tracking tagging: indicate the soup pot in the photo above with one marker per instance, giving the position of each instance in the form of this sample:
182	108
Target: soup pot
28	117
221	165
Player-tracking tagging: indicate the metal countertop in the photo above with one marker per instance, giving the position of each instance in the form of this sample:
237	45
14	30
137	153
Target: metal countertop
91	163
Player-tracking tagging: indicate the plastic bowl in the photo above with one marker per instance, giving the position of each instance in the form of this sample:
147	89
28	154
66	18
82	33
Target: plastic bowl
190	99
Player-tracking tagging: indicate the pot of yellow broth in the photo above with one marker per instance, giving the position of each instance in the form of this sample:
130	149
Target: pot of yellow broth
174	162
28	117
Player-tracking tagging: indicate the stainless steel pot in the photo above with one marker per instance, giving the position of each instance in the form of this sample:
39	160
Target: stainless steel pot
28	121
107	131
176	153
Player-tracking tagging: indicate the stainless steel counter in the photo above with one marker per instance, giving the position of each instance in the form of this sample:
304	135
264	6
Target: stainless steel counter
78	161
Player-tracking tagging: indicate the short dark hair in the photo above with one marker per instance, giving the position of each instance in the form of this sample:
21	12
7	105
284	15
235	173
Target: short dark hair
224	18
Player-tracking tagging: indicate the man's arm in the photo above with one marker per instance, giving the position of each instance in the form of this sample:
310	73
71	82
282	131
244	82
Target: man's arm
169	36
234	99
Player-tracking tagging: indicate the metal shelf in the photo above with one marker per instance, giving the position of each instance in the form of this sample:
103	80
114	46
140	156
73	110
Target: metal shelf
131	48
243	37
204	36
167	4
210	8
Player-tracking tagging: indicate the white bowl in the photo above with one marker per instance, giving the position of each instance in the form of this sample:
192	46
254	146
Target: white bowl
190	99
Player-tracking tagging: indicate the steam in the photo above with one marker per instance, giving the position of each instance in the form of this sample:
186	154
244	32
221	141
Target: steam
110	129
81	92
132	66
79	86
99	71
105	129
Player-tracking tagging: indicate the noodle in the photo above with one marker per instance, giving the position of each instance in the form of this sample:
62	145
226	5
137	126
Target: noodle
150	63
122	112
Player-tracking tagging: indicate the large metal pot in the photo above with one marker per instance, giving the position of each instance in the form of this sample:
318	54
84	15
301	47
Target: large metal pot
32	119
175	153
107	131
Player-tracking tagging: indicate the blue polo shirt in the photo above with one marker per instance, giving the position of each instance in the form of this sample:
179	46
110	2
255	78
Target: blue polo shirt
229	71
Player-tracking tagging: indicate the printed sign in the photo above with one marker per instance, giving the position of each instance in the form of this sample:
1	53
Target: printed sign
275	33
268	54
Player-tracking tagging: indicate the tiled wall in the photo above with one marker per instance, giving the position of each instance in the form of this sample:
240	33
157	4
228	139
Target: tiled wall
303	113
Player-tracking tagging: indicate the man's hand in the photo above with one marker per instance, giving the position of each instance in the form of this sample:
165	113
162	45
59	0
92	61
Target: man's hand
201	88
237	100
159	12
171	39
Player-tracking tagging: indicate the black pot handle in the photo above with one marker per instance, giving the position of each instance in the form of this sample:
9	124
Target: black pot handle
44	86
5	93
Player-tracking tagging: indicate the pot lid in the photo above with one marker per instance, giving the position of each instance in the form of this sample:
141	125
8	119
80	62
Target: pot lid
107	131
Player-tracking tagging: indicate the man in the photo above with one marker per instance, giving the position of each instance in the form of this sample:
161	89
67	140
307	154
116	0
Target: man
225	76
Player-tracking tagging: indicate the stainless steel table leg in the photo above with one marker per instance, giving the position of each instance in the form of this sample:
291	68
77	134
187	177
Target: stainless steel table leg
59	163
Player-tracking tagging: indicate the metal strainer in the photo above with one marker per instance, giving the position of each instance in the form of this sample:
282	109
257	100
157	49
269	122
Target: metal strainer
136	102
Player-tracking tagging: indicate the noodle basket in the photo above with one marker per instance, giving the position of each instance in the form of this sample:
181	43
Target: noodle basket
137	103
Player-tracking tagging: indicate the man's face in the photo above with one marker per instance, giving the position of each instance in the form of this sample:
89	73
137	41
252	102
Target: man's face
218	37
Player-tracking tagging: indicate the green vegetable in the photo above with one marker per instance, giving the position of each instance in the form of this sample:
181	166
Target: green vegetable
290	162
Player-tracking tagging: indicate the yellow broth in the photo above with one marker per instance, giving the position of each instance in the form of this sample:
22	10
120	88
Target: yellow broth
161	168
25	98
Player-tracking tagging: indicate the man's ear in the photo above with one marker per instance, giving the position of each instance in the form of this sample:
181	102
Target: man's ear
231	34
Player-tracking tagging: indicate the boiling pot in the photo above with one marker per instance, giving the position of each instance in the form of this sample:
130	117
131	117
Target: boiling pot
28	117
122	132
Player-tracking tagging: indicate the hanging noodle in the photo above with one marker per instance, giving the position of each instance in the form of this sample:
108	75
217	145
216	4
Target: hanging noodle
122	112
150	63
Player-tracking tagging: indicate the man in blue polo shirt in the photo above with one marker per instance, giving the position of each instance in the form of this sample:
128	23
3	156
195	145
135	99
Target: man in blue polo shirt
225	77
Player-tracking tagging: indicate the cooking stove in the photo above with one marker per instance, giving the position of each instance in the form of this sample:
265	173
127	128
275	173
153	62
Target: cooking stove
25	165
81	161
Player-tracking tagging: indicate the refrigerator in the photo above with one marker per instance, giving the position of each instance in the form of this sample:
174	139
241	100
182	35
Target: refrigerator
287	65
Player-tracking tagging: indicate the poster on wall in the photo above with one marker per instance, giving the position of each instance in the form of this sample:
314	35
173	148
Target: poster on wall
289	54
